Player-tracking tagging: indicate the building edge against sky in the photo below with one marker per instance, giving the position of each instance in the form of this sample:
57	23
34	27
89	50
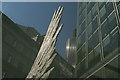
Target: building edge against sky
16	61
98	38
17	47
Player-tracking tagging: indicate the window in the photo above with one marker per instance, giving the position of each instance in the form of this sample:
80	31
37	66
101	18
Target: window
105	29
95	24
80	20
90	5
90	57
111	43
83	26
114	66
81	69
97	50
83	5
115	41
112	21
94	11
101	4
83	38
109	8
79	42
106	45
81	54
107	41
83	15
94	57
90	28
95	39
118	7
90	45
103	13
79	30
89	17
90	60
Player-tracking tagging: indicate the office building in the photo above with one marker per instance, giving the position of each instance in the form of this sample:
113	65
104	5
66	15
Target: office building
98	40
18	50
20	45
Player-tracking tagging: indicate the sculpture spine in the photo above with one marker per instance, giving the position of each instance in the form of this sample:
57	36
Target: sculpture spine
45	55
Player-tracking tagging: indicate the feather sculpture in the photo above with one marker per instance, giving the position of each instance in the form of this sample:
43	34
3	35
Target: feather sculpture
46	53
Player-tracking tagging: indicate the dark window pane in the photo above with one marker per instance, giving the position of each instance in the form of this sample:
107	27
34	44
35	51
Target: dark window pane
105	29
90	57
94	57
106	45
89	17
95	40
103	14
90	6
79	42
83	15
118	8
101	4
109	8
83	26
83	38
97	50
90	30
83	5
80	20
94	11
95	24
81	70
115	40
79	30
90	47
81	54
112	21
108	25
111	43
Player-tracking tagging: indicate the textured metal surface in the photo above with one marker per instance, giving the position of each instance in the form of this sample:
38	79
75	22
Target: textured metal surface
45	57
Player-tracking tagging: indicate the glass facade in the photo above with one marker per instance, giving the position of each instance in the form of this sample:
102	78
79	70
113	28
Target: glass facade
98	38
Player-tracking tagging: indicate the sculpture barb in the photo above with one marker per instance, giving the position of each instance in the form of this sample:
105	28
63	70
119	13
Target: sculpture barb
45	57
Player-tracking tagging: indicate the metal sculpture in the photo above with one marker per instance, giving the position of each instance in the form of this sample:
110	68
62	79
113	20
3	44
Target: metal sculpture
45	55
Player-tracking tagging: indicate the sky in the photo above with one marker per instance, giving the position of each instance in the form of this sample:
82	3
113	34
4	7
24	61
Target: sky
38	15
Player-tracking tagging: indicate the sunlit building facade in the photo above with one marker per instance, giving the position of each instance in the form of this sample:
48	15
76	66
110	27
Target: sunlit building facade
98	40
